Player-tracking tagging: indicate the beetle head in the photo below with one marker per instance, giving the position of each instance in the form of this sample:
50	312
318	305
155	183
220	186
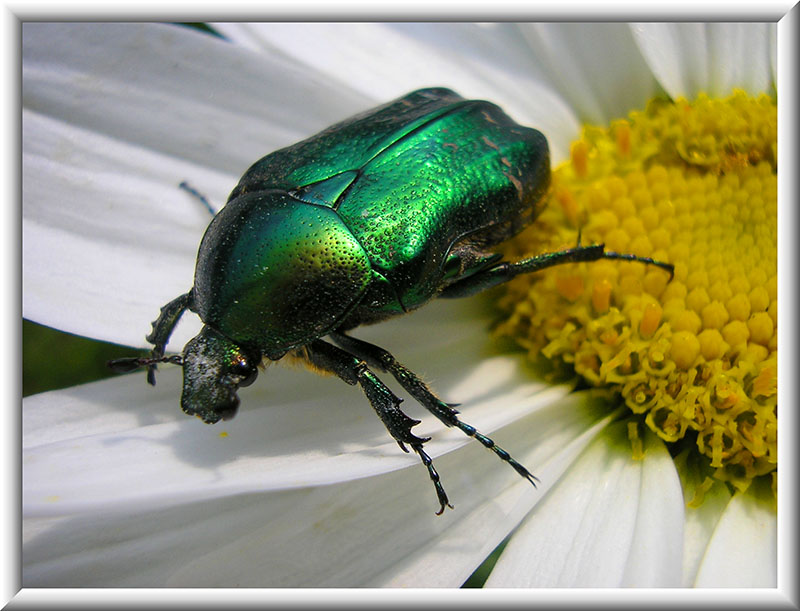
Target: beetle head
214	367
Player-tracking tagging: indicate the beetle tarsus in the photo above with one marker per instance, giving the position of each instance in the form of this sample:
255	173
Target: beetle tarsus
125	364
503	271
434	475
131	363
445	412
579	254
610	254
198	196
162	329
505	456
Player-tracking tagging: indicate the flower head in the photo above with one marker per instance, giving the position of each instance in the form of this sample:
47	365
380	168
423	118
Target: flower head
693	183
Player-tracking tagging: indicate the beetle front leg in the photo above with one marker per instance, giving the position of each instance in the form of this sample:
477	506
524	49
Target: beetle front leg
162	329
353	370
445	412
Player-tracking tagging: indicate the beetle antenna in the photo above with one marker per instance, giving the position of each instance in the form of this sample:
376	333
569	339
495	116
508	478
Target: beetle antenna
130	363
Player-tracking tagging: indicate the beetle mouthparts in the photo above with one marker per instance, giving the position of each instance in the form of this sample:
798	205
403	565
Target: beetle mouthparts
214	367
221	411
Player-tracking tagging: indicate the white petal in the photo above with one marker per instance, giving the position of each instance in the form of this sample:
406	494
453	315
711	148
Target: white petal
107	237
211	102
445	338
596	67
555	436
386	60
743	551
120	488
740	55
700	521
655	557
688	58
677	54
610	522
107	137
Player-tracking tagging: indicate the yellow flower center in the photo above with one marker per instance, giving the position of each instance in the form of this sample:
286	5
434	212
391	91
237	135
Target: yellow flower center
689	183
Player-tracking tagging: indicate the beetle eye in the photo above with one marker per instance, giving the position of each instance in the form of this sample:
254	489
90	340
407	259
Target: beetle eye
250	376
243	369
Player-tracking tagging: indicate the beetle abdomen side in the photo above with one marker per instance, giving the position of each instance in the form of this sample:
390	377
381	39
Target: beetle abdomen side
274	272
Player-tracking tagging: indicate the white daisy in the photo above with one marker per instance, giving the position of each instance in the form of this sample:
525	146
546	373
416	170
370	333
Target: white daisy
305	487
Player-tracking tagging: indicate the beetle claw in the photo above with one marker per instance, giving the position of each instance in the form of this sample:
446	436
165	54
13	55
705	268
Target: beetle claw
441	508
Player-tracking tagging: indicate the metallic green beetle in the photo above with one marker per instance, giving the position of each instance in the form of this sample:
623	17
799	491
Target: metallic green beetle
371	218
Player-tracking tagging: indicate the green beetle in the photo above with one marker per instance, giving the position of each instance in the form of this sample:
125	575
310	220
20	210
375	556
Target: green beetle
369	219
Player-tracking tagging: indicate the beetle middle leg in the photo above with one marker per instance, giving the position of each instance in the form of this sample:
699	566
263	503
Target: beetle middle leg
354	370
445	412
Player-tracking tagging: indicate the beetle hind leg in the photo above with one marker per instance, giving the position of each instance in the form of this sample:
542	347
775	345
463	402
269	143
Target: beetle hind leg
353	370
445	412
502	271
199	197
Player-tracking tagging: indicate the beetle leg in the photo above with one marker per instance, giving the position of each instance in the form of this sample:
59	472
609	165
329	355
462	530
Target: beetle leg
503	271
162	329
466	260
383	360
354	370
198	196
